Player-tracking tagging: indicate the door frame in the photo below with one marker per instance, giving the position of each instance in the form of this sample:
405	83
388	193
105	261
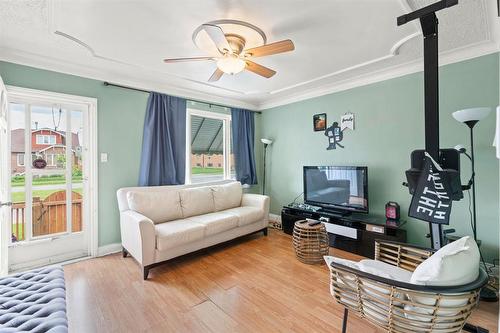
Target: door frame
5	211
15	93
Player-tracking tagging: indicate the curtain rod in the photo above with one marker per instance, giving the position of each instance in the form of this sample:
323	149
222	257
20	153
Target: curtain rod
106	83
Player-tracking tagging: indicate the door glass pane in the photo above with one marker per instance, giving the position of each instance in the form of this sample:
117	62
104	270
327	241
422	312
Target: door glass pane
48	168
77	132
17	168
207	147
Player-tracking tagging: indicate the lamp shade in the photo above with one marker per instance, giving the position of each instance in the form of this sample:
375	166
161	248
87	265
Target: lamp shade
471	115
231	64
266	141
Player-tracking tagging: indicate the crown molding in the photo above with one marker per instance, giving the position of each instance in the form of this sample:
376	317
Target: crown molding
449	57
445	58
52	64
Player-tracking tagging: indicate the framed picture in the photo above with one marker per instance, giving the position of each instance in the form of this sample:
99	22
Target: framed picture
319	122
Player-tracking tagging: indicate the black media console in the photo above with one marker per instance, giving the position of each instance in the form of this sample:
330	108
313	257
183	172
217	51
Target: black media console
354	233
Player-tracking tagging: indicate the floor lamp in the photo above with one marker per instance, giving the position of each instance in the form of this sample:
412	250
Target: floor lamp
266	143
471	117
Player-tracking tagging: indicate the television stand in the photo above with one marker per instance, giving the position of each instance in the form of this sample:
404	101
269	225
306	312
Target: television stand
354	233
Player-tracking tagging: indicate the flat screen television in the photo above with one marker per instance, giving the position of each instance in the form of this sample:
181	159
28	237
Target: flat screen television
343	189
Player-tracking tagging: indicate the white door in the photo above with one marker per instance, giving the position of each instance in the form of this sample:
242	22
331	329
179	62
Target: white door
4	180
49	180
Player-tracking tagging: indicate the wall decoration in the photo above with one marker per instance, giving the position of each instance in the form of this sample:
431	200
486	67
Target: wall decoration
335	133
319	122
335	136
39	163
347	121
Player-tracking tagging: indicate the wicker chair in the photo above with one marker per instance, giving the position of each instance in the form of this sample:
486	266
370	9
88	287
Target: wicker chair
402	307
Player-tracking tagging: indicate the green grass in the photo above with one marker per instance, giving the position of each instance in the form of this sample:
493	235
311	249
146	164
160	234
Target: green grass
200	170
19	196
46	181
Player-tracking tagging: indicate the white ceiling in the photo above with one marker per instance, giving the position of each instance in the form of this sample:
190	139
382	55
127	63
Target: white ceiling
338	43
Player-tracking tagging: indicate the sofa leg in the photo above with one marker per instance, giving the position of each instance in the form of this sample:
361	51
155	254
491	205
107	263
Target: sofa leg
124	252
145	272
344	321
264	231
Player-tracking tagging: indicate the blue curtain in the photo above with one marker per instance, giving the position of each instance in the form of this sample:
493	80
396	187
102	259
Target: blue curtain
163	159
243	127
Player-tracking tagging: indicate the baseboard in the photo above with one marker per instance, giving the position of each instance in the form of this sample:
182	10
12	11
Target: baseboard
109	249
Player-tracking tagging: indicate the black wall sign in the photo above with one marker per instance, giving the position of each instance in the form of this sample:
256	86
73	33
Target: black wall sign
39	163
431	200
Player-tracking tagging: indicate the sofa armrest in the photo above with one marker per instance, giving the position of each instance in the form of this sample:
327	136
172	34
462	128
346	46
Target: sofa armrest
138	236
256	200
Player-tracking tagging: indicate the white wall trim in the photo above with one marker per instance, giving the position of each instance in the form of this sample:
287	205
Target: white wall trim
291	96
109	249
445	58
53	64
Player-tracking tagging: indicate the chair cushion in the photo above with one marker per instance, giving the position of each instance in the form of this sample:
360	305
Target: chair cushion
227	196
196	201
216	222
246	215
384	269
158	205
455	264
178	232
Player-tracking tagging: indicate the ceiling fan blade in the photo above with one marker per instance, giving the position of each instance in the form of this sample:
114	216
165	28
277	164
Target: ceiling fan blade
217	36
273	48
187	59
216	75
259	69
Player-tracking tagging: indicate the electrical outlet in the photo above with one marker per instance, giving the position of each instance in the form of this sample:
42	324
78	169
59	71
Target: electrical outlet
104	157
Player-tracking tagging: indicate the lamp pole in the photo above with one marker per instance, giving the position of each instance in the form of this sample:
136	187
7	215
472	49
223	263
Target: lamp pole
264	176
471	125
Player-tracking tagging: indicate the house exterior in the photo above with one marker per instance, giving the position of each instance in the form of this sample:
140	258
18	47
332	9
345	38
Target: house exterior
47	144
207	160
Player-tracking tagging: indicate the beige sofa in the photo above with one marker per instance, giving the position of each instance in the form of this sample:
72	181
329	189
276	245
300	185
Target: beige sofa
159	223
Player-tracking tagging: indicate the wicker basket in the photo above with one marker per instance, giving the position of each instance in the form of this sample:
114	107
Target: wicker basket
402	307
310	242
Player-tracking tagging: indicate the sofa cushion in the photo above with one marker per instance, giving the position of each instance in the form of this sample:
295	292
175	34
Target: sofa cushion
227	196
246	215
216	222
178	232
196	201
159	206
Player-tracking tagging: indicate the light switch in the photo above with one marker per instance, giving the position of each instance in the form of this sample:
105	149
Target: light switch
104	157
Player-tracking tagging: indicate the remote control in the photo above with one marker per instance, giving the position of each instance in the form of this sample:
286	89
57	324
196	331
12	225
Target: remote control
311	224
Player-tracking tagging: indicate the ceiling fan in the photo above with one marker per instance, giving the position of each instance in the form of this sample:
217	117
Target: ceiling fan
233	57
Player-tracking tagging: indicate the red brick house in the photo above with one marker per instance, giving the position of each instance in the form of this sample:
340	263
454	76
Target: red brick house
45	143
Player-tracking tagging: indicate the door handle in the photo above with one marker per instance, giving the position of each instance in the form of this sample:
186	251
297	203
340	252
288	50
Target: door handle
5	204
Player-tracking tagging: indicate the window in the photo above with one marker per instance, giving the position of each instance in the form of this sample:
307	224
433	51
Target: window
208	140
20	159
45	139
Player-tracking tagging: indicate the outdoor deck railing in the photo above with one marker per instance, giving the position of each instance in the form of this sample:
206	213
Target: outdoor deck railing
48	216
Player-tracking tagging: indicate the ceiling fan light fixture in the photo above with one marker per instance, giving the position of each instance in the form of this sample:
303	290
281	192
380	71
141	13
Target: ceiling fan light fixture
231	64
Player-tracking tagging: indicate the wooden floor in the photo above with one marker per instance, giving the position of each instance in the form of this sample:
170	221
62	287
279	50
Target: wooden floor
249	285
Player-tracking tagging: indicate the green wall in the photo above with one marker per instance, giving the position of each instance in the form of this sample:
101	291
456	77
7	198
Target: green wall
389	125
120	123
